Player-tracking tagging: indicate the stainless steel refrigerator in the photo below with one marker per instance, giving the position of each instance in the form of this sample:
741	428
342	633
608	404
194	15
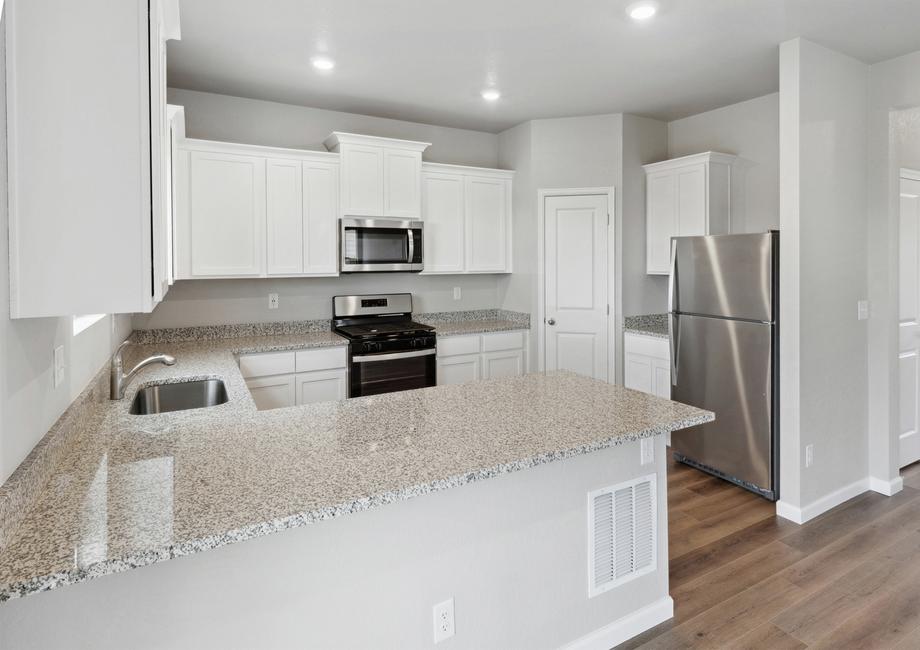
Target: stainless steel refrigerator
724	331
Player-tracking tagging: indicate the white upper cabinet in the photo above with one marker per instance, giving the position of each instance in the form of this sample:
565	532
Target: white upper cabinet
87	143
685	197
381	177
442	206
467	215
284	217
227	205
320	216
488	212
248	211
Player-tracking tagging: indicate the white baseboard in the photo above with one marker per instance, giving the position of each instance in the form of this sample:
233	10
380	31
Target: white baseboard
822	505
625	628
888	488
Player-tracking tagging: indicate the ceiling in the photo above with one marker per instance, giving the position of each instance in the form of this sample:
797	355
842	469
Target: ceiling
428	60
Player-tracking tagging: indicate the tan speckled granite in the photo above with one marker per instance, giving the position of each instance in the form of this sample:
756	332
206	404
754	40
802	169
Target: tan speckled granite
655	325
143	489
458	328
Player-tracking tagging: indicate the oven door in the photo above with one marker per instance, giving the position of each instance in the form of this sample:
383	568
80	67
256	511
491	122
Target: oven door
372	374
370	245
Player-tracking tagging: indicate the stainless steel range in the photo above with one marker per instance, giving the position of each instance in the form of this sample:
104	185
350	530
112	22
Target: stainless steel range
387	350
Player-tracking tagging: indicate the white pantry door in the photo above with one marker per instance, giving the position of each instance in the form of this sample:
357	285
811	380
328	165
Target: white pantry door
575	284
909	318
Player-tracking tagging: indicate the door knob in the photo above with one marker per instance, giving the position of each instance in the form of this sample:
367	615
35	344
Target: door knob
551	321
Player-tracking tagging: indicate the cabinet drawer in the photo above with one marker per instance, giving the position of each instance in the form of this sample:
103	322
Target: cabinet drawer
266	363
453	345
650	346
502	341
321	359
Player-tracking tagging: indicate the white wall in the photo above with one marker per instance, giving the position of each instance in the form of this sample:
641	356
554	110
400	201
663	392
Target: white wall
644	141
219	302
823	266
748	129
552	153
29	403
252	121
893	85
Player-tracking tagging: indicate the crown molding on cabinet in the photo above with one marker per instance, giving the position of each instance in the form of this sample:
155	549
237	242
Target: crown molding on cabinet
338	138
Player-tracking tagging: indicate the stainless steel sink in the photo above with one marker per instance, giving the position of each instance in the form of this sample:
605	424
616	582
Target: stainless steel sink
164	398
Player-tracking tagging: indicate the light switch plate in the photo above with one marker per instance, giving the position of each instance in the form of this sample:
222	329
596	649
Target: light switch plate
862	310
456	293
58	365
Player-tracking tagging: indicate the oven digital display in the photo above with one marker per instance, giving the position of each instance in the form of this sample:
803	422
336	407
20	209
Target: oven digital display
374	302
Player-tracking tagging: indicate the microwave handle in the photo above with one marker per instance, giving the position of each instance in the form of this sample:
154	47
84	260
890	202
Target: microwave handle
411	236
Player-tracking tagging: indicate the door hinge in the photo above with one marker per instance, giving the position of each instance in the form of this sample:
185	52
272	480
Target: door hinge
608	310
608	219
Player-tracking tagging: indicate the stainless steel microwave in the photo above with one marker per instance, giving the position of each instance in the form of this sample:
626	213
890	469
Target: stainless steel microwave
372	245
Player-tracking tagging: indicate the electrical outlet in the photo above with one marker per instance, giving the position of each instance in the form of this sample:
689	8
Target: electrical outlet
862	310
273	301
647	452
456	293
809	455
443	620
58	365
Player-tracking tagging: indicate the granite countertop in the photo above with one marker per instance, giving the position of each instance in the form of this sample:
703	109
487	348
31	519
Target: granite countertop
649	325
458	328
136	490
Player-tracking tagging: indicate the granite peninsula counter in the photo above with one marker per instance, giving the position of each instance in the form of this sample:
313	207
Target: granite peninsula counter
138	490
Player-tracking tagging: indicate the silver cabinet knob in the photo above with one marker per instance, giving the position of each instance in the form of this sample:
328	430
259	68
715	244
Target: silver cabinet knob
551	321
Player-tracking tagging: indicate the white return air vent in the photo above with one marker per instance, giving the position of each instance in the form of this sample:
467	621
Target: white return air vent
622	533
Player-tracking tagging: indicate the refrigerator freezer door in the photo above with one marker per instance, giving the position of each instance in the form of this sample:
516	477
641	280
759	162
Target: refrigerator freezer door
724	275
725	366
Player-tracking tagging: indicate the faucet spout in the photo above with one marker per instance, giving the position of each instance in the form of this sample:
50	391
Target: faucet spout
118	379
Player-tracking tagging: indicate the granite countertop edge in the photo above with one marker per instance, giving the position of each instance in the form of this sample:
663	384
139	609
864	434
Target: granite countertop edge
151	556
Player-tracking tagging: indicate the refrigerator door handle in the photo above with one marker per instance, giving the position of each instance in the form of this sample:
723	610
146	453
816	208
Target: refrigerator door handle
672	278
674	341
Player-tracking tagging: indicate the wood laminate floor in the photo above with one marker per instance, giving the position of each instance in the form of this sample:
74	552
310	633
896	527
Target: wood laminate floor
743	578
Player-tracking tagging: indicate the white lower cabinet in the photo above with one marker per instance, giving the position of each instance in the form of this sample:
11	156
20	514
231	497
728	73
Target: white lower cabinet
647	364
273	383
509	363
272	392
459	369
320	386
481	356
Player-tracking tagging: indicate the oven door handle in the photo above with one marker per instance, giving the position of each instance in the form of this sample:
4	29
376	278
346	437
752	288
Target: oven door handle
365	358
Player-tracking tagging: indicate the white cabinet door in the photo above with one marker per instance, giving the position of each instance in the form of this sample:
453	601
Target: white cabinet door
691	202
442	207
459	369
362	180
320	217
272	392
401	183
637	372
284	216
662	224
508	363
320	386
227	205
661	378
488	228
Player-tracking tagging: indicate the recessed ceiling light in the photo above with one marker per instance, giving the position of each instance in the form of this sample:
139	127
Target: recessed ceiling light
323	63
642	10
490	94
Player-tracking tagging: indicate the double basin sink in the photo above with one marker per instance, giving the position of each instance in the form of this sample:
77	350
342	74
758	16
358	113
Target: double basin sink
165	398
